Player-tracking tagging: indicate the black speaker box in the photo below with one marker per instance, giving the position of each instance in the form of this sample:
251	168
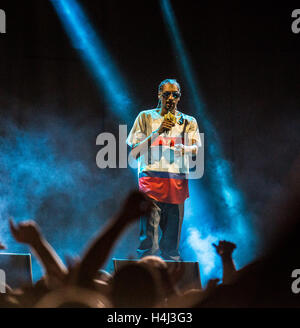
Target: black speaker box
190	277
15	270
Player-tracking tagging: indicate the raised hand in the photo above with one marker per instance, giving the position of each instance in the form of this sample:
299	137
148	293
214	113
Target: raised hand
225	248
26	232
179	149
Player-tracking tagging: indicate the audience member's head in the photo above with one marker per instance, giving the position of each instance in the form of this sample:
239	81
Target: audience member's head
165	282
154	262
73	297
135	285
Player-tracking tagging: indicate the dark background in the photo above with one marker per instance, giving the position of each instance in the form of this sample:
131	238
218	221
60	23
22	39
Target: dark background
246	60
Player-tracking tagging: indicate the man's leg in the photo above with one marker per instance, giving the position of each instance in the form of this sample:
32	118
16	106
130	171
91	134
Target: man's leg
170	225
149	232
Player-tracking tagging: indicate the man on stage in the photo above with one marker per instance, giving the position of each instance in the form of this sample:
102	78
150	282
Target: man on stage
162	139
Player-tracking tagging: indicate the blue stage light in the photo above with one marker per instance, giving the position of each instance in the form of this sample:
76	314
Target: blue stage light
199	232
94	54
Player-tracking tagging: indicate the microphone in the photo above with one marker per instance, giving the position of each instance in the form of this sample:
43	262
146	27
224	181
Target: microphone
169	116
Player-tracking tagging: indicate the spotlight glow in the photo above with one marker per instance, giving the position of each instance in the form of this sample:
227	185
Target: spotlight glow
94	54
222	188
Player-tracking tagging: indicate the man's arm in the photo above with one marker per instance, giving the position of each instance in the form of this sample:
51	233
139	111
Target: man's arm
192	141
192	150
136	205
225	249
28	233
140	147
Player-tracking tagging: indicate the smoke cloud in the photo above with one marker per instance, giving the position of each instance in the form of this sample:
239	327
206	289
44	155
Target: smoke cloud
48	173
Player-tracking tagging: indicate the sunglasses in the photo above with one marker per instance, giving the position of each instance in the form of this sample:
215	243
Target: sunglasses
167	94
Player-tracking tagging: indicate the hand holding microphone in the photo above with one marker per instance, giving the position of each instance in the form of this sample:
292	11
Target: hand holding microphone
166	125
168	122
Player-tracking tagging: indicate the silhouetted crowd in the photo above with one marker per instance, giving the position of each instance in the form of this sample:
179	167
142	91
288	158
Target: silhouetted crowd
150	282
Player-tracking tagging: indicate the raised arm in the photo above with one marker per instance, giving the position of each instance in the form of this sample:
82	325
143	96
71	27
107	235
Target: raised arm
225	249
29	233
136	205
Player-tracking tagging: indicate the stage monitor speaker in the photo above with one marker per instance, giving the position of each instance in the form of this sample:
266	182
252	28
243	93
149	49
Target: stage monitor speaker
190	277
15	270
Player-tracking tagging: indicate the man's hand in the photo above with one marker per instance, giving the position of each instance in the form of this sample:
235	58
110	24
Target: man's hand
2	246
225	248
25	232
166	125
179	149
136	204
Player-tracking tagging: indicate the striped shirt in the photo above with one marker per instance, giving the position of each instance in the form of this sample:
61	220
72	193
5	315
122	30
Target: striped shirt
162	175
